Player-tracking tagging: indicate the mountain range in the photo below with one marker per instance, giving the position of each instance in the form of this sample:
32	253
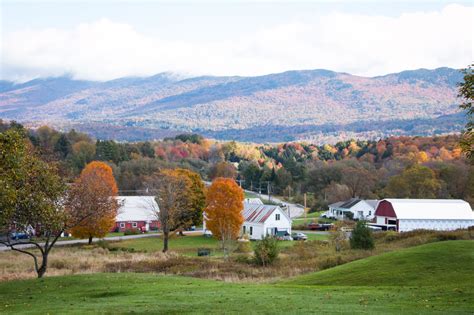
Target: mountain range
313	105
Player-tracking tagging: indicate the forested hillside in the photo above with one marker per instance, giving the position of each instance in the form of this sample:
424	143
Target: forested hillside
317	105
404	167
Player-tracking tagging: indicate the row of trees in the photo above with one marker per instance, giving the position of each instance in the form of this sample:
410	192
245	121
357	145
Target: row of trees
35	200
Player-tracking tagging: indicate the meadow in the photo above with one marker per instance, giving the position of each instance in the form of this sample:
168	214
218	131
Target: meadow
435	278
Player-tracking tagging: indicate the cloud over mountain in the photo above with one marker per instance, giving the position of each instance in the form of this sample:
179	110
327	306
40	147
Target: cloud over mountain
360	44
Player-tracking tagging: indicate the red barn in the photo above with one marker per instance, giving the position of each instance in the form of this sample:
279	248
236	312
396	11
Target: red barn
137	212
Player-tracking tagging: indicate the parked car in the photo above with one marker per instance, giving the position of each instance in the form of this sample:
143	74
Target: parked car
19	236
319	226
298	236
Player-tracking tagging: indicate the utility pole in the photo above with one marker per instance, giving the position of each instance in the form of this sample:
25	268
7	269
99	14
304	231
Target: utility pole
304	199
240	182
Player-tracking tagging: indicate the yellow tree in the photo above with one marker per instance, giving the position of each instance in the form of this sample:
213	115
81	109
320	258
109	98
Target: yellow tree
223	213
197	196
172	194
92	198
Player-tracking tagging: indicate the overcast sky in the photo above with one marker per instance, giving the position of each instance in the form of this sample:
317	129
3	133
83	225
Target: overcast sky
103	40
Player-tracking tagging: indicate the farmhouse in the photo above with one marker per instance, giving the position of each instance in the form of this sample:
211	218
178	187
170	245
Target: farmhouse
404	215
356	208
136	212
262	220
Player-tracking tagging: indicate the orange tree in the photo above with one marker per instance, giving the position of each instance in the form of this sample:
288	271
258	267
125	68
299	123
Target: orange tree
92	197
223	213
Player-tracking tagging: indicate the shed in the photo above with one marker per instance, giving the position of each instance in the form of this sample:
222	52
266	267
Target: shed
431	214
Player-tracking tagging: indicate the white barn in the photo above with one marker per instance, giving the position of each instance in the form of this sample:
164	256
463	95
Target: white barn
405	215
360	209
262	220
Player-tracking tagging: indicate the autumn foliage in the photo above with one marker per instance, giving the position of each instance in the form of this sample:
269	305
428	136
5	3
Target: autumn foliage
91	200
224	205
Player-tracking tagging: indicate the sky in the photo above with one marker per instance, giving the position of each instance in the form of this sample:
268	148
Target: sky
105	39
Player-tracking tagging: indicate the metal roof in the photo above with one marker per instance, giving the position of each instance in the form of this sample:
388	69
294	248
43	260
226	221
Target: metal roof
137	208
350	203
447	209
256	213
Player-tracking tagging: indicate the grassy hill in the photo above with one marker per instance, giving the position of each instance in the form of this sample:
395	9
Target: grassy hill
443	263
415	291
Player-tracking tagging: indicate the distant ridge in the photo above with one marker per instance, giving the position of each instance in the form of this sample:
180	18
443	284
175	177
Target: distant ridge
315	105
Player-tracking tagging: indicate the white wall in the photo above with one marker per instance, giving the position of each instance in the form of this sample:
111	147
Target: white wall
260	230
367	211
406	225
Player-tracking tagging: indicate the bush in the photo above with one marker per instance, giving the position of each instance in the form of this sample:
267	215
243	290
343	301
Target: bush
131	232
361	237
243	247
266	251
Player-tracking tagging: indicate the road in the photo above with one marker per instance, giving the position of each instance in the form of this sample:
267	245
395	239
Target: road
85	241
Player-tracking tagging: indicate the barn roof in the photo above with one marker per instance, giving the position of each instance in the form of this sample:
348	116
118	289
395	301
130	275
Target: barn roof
136	208
256	213
440	209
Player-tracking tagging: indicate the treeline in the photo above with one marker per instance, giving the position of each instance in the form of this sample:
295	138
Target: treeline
403	167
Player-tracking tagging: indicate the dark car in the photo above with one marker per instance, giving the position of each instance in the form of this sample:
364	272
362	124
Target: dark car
19	236
320	226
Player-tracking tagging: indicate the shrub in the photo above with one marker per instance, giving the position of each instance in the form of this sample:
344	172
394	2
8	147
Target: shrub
447	236
131	232
103	244
266	251
243	247
361	237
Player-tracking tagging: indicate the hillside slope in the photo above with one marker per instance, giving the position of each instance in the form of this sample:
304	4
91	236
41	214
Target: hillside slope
449	263
312	101
439	280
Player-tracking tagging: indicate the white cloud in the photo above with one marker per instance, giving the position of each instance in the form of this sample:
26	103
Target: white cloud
358	44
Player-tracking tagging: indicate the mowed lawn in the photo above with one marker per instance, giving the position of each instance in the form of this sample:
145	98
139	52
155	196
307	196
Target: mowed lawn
189	244
407	289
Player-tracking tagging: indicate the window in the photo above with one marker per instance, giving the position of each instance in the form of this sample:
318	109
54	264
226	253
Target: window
122	225
251	230
244	229
370	212
134	224
277	217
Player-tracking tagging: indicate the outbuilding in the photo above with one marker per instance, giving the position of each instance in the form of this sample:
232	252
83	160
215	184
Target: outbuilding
137	212
404	215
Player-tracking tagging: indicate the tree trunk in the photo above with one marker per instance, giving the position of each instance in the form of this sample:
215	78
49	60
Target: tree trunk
90	240
165	241
44	264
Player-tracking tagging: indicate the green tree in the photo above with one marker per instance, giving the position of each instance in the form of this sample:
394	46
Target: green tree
30	198
361	237
414	182
466	91
266	251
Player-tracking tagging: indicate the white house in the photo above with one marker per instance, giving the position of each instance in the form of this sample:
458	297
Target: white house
360	209
405	215
137	212
262	220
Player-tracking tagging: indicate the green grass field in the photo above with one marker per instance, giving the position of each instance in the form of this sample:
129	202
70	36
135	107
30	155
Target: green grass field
188	245
435	278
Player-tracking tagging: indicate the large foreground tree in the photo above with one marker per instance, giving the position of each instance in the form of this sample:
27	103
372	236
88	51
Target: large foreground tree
92	196
30	200
223	213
